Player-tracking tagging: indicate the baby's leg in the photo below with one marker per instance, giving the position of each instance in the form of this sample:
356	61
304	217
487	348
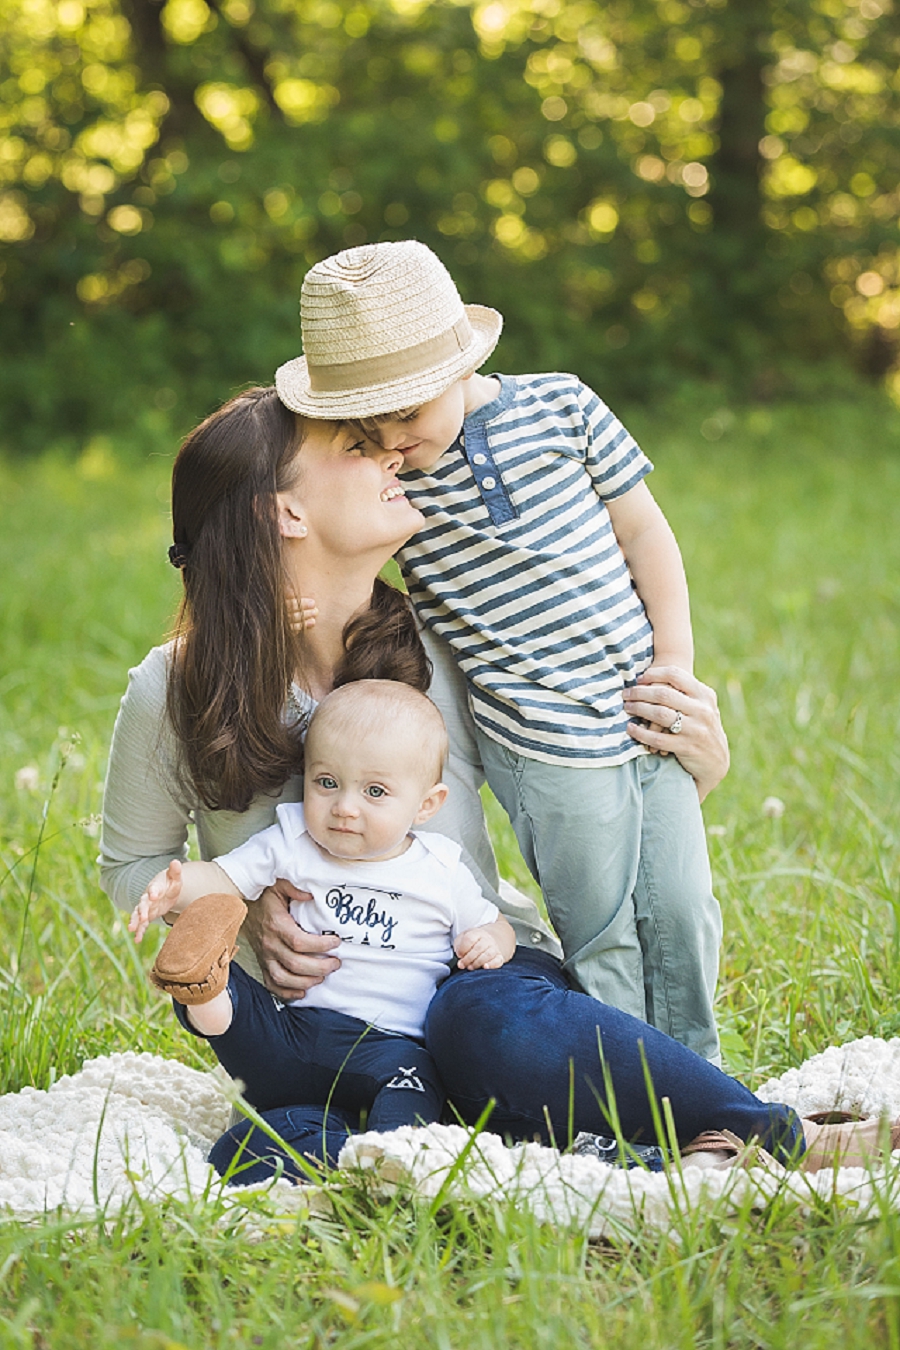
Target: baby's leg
579	830
264	1045
410	1092
363	1071
212	1018
678	917
248	1155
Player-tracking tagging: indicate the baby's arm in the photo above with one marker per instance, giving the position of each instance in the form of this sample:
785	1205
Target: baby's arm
652	554
176	888
486	948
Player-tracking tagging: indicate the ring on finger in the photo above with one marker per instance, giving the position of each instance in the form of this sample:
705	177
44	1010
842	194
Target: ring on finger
675	728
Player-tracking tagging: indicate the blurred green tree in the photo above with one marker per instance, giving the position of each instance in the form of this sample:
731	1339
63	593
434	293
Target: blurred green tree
647	189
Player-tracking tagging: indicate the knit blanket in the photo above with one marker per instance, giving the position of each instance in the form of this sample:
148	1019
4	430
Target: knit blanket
134	1124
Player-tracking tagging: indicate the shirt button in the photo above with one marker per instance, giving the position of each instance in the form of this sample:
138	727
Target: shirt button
536	939
479	459
488	483
462	438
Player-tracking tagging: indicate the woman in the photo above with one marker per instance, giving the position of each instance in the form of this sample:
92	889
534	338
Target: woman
267	507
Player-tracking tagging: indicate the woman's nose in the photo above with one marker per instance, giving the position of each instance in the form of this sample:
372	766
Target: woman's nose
389	456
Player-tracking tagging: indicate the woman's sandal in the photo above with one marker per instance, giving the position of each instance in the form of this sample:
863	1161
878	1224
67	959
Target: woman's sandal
192	964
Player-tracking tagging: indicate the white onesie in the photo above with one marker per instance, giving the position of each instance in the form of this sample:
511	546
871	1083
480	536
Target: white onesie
396	919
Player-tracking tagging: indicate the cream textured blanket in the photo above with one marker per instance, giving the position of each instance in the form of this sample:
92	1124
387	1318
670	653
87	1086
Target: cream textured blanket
135	1124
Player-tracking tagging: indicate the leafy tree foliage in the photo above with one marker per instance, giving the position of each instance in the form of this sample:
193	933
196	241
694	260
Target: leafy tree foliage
645	188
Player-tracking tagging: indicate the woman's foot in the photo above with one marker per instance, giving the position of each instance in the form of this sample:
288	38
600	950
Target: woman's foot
849	1143
720	1149
192	964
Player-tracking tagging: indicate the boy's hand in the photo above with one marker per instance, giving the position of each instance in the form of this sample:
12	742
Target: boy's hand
478	949
302	612
160	896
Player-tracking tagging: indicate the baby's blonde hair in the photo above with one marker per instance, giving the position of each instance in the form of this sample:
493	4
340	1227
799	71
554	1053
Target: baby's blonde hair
351	711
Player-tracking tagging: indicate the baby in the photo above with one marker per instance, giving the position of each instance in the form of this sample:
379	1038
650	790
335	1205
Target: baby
402	903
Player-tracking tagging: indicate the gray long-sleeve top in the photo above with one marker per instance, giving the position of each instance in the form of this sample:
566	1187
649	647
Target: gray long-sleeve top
148	807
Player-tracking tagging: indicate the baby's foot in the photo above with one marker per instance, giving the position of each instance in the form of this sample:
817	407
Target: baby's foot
192	964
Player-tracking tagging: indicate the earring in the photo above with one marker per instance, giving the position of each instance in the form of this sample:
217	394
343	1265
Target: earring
301	531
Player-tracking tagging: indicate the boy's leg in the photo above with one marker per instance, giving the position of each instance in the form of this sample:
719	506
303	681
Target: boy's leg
678	917
579	830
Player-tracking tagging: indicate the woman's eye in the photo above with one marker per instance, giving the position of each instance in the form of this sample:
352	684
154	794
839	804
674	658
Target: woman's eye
357	448
376	791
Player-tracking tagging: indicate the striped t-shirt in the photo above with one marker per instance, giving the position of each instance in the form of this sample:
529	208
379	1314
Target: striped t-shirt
519	569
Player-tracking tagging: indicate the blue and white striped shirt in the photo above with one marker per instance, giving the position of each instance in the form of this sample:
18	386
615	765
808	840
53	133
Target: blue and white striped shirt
519	569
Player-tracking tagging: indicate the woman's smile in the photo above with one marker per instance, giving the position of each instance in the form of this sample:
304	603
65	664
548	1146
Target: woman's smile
392	491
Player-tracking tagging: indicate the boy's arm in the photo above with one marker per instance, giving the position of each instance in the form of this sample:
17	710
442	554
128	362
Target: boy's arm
651	551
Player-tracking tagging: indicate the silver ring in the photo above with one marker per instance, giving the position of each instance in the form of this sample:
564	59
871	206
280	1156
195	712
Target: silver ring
675	728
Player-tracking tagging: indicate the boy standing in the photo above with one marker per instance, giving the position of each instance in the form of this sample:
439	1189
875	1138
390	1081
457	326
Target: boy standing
549	569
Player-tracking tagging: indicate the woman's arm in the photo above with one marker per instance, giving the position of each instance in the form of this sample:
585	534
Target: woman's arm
146	812
700	746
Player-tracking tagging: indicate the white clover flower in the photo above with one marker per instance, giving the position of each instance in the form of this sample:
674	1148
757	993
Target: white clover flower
716	831
773	807
27	778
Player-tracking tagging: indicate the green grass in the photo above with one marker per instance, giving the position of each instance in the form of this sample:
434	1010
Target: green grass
788	521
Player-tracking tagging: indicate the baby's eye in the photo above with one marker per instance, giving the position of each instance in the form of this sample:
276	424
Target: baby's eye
325	781
376	790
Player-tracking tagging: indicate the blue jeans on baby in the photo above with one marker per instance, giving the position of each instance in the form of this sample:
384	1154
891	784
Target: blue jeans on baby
339	1066
619	852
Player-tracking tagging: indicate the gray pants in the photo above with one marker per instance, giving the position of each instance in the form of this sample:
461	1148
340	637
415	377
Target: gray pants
619	853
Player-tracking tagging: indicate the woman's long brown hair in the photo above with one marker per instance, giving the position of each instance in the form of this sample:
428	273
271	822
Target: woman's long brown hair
235	649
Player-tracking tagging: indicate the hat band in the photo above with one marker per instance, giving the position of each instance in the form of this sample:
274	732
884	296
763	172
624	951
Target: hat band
376	370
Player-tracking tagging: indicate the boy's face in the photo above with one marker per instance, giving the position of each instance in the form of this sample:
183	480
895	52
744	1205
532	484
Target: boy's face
361	797
424	434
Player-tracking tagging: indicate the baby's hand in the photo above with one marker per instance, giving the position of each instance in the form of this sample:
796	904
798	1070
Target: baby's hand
160	896
478	949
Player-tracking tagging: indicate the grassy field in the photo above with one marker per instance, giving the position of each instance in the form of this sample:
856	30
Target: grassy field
788	519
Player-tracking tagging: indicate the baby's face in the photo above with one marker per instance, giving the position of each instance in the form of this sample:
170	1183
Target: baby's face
360	799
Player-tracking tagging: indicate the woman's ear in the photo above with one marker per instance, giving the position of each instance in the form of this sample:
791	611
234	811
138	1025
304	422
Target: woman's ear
290	522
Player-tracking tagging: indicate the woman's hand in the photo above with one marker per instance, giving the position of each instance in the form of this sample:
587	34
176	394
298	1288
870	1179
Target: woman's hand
291	960
661	695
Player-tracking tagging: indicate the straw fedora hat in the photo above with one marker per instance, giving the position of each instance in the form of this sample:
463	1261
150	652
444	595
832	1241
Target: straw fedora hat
384	329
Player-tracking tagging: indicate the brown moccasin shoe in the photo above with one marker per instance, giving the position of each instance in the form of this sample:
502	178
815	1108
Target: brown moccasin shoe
192	964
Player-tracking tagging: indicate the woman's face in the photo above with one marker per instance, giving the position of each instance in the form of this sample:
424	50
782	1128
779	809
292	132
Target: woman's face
347	494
